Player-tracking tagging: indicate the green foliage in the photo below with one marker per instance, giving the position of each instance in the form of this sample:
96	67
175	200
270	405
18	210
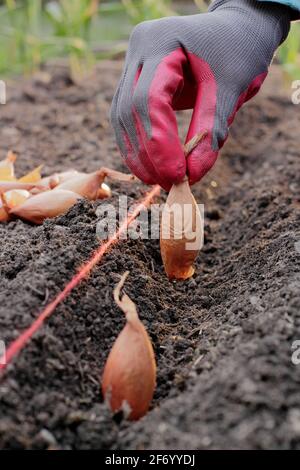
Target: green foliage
289	53
21	43
140	10
32	31
201	4
72	18
72	21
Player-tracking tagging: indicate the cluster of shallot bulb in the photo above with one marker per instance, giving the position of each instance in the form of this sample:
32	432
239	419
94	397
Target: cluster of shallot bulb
35	199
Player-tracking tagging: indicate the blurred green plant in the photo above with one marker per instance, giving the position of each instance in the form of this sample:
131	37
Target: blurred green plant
72	17
72	21
140	10
33	32
201	4
21	30
289	53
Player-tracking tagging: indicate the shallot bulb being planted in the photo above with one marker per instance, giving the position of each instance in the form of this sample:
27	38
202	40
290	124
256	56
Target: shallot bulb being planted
181	233
129	376
181	236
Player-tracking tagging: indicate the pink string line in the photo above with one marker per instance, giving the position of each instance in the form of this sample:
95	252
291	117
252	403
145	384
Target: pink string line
17	345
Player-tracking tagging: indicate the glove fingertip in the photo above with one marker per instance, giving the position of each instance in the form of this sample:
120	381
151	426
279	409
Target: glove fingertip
171	173
200	161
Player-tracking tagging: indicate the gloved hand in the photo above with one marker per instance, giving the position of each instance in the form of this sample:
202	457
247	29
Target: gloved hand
211	62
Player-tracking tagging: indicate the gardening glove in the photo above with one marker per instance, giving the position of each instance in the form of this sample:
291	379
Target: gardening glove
212	62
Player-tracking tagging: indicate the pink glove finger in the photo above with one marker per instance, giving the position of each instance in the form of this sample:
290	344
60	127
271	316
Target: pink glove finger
156	121
123	120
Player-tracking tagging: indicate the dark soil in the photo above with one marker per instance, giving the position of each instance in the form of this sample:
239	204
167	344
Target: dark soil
222	340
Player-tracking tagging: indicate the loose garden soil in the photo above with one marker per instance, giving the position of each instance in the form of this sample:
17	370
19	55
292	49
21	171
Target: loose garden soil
222	339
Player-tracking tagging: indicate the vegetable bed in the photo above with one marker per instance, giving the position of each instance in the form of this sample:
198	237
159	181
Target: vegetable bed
222	339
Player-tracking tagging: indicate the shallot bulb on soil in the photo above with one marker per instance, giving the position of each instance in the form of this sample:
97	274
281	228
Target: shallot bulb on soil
129	376
86	185
46	205
91	185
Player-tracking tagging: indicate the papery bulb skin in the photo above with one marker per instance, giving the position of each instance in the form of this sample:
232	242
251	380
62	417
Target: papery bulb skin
118	175
181	236
33	177
7	172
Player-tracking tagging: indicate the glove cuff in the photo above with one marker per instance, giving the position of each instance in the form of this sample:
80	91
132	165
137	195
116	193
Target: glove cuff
275	14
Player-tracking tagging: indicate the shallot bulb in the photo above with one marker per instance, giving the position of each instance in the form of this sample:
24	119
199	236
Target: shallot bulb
86	185
129	376
181	234
91	185
45	205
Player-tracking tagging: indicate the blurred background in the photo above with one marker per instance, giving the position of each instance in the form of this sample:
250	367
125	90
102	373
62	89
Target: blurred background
78	33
